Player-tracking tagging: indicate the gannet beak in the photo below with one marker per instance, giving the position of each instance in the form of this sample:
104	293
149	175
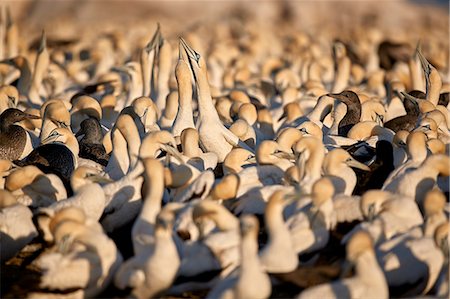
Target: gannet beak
31	116
173	152
189	51
251	160
426	66
156	40
282	116
379	119
43	44
100	179
64	245
79	133
104	127
355	164
284	155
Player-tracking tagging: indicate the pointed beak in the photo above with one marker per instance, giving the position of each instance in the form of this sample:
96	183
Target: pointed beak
100	179
189	51
156	40
424	62
31	116
251	160
171	150
338	96
79	133
359	165
43	44
282	116
284	155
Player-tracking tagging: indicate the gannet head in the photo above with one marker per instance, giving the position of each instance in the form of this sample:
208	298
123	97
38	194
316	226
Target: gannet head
359	243
227	188
6	199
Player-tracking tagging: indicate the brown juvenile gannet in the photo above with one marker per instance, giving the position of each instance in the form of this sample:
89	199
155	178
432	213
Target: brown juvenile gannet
91	144
405	122
353	114
14	140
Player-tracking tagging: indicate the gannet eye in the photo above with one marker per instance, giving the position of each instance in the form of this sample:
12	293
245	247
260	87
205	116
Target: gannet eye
197	56
303	130
427	127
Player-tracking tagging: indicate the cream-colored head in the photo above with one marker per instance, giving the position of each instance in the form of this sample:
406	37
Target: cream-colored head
22	177
372	201
64	136
211	209
287	138
223	106
227	188
67	230
239	96
6	199
248	113
428	126
155	141
359	243
236	158
265	151
145	108
400	138
309	128
84	175
239	128
373	111
72	213
416	145
189	142
362	130
292	111
434	202
339	157
322	191
87	105
57	112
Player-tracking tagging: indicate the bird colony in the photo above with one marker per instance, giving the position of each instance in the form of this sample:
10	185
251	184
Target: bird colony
231	162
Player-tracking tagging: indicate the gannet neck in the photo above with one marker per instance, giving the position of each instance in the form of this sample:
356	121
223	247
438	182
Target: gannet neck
127	128
207	112
165	62
321	109
417	146
152	189
189	143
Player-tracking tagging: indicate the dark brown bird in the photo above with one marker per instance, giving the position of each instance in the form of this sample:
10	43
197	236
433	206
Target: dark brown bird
353	114
91	144
408	121
13	138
